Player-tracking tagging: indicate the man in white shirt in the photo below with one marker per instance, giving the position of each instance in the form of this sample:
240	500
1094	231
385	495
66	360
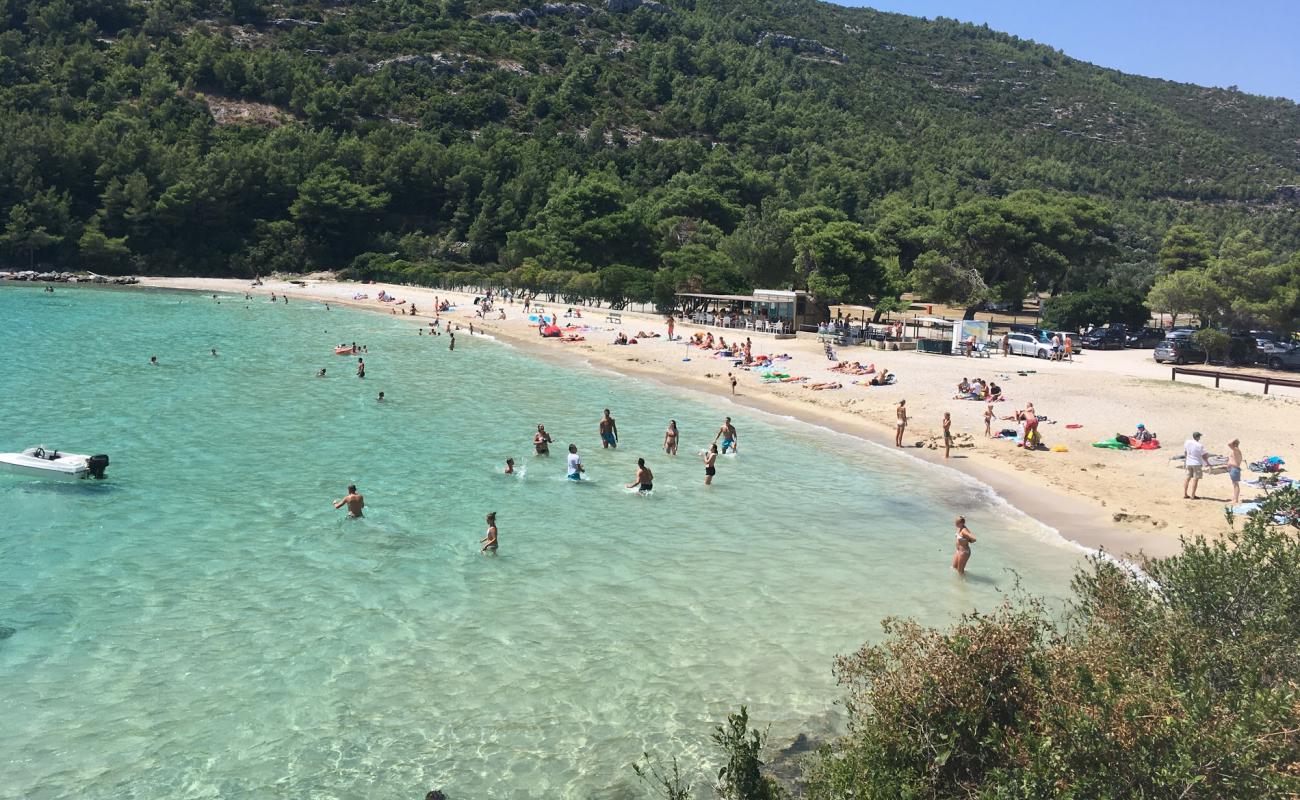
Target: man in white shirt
575	464
1195	455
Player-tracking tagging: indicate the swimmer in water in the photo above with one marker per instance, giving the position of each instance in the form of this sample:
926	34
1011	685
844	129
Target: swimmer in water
542	441
320	373
510	466
644	478
964	540
670	438
710	460
214	351
153	361
608	431
727	433
489	542
381	397
353	501
575	469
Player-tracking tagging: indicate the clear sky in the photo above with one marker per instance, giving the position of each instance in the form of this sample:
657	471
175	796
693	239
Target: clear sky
1251	44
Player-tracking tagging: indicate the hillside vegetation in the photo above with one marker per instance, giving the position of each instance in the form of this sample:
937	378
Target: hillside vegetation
622	150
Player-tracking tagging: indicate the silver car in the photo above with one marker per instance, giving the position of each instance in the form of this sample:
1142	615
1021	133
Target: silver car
1024	344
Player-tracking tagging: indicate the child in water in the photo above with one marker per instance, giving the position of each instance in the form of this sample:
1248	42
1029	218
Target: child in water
510	466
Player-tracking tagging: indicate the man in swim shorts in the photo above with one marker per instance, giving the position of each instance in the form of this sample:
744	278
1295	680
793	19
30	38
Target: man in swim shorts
608	431
644	478
575	464
354	501
727	433
1235	460
542	441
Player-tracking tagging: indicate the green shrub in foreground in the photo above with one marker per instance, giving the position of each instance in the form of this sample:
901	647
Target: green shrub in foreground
1177	682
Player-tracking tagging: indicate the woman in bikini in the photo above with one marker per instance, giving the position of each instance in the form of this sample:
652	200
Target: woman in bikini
489	542
964	541
670	438
710	459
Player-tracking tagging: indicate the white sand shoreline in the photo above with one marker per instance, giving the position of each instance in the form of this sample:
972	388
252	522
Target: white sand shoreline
1120	502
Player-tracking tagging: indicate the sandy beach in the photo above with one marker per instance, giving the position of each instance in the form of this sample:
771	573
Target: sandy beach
1123	501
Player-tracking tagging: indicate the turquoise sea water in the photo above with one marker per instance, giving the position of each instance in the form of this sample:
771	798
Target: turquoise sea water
205	624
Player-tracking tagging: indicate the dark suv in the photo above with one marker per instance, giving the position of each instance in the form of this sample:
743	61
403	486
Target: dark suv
1110	338
1144	337
1179	348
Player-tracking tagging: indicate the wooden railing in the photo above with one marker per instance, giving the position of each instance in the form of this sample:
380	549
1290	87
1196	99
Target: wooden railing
1219	375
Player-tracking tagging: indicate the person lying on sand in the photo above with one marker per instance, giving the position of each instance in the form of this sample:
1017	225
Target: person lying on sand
644	335
817	387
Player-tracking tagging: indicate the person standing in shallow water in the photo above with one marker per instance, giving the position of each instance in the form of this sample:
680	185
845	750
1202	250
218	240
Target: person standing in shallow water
489	542
964	540
644	481
710	462
361	368
670	438
608	431
354	501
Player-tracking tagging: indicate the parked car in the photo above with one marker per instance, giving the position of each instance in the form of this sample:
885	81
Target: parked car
1027	344
1176	349
1144	338
1282	357
1113	337
1180	348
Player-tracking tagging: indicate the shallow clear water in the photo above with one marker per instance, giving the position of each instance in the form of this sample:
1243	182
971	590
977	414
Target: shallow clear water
204	623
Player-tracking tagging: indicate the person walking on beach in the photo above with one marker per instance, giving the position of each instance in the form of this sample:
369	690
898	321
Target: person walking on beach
608	431
575	469
710	460
542	441
1069	348
729	436
1194	461
489	542
947	433
988	420
354	501
361	368
900	424
670	438
671	324
1235	461
964	540
644	481
1006	344
732	378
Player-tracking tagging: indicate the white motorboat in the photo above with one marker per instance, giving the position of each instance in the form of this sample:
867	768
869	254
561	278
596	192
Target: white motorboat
41	462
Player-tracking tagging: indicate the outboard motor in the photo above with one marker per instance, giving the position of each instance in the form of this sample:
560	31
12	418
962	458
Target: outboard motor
97	465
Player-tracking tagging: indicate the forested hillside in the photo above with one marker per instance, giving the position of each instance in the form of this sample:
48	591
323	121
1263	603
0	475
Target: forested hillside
617	150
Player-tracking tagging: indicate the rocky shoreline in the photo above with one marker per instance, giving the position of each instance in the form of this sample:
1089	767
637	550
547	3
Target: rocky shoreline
67	277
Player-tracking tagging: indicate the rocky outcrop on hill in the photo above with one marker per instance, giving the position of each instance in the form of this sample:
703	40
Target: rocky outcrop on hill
628	6
798	45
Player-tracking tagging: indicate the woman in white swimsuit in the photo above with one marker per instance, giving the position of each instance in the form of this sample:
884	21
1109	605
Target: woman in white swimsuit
964	540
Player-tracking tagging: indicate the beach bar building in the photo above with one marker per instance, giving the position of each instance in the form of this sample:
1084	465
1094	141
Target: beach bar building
766	310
